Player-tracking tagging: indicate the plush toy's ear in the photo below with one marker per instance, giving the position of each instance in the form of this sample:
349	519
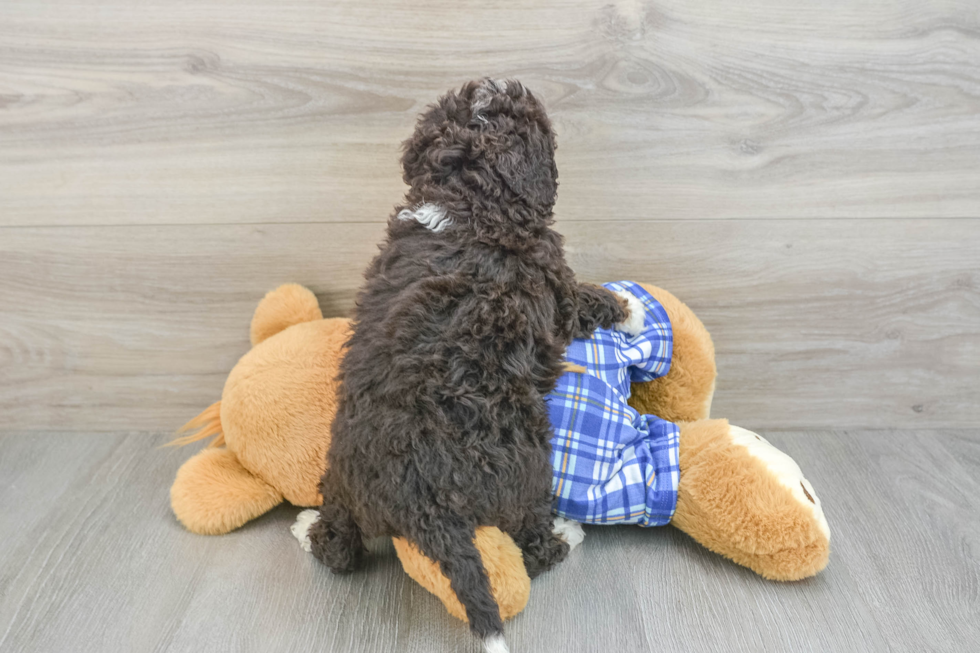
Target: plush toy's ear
282	308
502	560
213	494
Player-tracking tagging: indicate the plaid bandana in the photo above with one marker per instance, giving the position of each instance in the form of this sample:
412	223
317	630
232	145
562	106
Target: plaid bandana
613	465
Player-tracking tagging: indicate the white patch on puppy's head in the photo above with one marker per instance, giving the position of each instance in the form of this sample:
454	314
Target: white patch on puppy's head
490	87
431	216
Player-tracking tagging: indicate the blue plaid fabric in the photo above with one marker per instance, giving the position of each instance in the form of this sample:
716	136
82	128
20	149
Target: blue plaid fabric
613	465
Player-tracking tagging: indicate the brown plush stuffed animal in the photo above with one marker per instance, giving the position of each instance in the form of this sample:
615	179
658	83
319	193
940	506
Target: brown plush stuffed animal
738	495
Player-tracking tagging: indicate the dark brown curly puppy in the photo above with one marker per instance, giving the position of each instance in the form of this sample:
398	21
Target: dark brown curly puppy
459	333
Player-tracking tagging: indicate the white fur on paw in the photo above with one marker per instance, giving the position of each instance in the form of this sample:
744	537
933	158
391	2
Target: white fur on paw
634	323
301	528
784	469
432	216
495	644
570	531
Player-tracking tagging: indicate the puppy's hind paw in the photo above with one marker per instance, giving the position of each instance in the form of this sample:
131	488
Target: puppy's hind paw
633	324
569	531
301	528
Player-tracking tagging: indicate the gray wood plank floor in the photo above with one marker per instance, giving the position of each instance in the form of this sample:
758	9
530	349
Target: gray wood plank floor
92	561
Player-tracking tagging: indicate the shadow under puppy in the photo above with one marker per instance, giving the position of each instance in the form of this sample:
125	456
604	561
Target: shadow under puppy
459	334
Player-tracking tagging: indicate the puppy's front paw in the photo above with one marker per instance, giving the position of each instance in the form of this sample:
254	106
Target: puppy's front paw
633	324
301	528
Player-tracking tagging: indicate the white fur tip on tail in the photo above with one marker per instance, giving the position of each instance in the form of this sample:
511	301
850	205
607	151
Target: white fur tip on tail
570	531
495	644
301	528
633	325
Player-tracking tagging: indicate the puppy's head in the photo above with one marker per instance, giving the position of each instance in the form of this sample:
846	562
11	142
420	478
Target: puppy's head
490	143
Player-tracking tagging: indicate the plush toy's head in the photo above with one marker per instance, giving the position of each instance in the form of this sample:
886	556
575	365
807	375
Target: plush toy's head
273	418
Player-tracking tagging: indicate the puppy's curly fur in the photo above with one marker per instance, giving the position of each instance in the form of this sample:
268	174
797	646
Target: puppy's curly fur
459	333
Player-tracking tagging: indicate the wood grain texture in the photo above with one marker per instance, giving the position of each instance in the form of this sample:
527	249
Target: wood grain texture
870	323
210	111
92	561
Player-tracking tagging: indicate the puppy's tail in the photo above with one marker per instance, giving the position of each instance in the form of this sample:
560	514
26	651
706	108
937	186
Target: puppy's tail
449	541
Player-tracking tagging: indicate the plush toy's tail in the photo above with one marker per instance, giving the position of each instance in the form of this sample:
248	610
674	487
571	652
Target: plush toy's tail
207	424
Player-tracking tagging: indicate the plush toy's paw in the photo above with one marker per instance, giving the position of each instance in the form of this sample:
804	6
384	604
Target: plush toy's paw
301	528
633	324
213	494
569	531
785	470
743	498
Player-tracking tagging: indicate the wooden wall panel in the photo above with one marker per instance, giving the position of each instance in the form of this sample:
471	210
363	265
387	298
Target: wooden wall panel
818	323
211	111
